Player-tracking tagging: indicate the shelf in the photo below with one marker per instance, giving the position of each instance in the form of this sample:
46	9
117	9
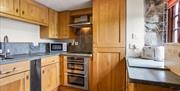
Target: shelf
79	25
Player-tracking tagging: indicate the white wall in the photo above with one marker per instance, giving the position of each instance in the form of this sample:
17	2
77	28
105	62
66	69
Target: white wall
135	25
18	31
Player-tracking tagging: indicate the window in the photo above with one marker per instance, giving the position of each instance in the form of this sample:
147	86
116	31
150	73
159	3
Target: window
174	22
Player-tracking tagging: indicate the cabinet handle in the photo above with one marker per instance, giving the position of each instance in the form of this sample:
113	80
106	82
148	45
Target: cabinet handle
53	61
179	54
23	12
43	71
7	72
27	77
17	10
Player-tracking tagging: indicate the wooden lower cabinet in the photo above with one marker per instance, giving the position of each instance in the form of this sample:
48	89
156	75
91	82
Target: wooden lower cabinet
142	87
50	77
108	69
17	82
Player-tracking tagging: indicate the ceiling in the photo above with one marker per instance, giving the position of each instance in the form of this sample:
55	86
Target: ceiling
62	5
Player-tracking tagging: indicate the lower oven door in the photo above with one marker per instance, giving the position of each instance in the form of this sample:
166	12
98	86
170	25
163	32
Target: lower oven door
76	80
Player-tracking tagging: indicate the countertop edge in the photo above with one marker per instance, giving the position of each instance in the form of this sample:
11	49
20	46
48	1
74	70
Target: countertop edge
148	82
29	58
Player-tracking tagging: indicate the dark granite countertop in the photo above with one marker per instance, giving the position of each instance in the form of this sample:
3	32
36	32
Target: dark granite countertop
151	76
29	57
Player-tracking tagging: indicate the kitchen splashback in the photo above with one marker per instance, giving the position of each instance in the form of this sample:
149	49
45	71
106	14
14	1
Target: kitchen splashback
82	42
24	48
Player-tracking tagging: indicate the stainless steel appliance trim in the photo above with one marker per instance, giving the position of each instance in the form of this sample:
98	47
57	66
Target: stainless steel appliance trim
85	87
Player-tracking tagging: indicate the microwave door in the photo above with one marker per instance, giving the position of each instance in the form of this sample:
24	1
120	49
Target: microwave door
56	47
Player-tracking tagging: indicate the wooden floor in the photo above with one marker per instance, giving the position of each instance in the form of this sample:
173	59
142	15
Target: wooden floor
63	88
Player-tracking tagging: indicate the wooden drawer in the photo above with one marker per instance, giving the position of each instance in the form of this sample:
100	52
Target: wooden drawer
172	57
10	69
49	60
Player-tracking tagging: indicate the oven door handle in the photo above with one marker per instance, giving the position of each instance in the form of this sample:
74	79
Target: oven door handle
75	63
76	75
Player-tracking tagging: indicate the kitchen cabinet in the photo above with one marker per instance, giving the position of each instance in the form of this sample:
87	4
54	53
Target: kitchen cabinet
49	77
142	87
108	69
109	23
34	11
24	10
50	73
10	7
52	30
17	82
65	31
15	77
80	12
109	72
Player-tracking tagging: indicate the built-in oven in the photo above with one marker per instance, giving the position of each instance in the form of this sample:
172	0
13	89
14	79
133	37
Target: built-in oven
76	80
77	65
76	72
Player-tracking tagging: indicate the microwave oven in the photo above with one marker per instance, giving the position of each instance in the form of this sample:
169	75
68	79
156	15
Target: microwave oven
56	47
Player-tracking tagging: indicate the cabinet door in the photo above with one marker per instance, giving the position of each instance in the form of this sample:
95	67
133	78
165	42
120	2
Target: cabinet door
64	21
53	21
49	77
18	82
43	14
27	9
34	11
9	7
108	69
109	23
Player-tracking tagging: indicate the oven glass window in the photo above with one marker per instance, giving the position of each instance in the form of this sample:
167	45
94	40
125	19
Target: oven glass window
76	80
75	66
56	47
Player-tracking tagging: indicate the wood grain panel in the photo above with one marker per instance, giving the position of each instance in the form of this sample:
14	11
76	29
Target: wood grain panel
142	87
65	32
14	68
86	11
109	27
18	82
10	7
108	70
49	77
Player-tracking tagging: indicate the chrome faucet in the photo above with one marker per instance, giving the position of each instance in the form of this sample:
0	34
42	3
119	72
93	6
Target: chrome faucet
5	52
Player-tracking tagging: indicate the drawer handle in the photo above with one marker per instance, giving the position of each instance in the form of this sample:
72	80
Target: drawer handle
43	71
27	77
17	10
23	12
7	72
53	61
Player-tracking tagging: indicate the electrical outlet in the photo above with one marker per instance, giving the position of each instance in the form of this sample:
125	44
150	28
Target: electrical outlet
76	43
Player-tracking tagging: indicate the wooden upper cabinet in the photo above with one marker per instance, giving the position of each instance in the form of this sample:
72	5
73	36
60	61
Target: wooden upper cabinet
26	9
63	25
10	7
53	22
43	15
52	30
109	23
34	11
